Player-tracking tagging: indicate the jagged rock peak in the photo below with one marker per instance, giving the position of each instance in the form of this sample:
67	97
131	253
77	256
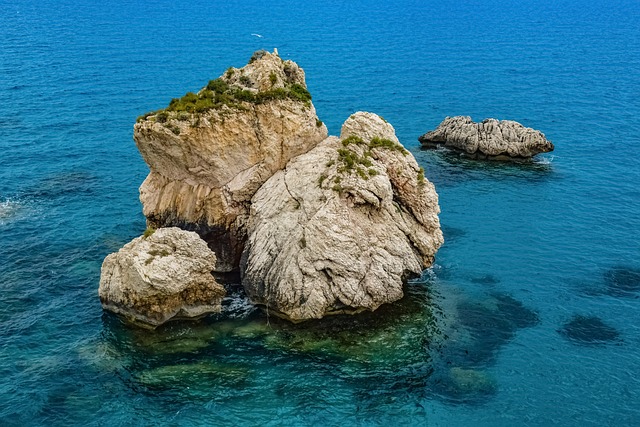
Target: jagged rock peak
342	226
209	152
161	276
491	138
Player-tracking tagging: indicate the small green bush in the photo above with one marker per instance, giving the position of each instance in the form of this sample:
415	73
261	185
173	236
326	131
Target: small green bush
273	78
353	139
377	142
319	123
421	177
144	116
148	232
218	85
162	117
258	54
299	93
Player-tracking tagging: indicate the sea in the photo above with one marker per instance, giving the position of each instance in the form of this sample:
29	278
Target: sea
530	315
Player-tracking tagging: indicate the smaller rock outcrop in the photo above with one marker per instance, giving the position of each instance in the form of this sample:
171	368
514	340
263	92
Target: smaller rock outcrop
489	139
159	277
342	226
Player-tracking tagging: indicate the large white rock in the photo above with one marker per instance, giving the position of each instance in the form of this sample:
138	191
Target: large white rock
342	226
160	277
205	167
491	138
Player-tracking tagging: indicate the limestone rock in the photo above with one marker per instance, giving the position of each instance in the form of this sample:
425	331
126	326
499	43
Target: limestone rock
209	152
163	276
342	226
491	138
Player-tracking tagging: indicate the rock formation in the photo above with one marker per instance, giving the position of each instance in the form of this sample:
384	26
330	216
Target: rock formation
341	227
500	140
317	225
209	152
162	276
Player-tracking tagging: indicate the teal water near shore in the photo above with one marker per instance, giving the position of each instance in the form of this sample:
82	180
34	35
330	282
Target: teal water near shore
500	331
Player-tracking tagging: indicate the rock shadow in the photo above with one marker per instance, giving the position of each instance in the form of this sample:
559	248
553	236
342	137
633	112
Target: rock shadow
449	168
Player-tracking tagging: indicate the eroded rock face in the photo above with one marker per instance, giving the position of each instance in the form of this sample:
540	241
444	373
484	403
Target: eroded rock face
491	138
160	277
209	152
342	226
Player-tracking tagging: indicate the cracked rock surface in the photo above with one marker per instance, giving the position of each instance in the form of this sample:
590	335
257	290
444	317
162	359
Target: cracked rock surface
205	167
160	277
341	227
491	138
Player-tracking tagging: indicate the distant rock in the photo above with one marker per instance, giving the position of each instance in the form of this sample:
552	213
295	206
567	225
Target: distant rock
210	152
342	226
489	139
162	276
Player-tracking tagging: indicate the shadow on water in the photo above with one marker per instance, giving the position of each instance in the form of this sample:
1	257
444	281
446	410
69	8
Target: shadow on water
589	331
452	234
450	168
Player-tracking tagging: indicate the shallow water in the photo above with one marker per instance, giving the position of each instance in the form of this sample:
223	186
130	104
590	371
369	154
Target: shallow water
528	247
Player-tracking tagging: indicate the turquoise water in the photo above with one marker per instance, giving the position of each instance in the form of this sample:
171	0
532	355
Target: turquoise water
491	335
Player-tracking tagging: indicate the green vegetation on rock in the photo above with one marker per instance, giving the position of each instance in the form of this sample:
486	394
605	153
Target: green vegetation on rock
219	93
421	177
148	232
355	156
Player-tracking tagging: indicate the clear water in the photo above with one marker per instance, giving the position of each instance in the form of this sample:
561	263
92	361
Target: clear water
481	339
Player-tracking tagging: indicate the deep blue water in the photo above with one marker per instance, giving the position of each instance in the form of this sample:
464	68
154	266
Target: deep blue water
484	338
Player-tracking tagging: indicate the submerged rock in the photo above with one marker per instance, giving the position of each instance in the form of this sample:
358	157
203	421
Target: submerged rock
210	152
342	226
589	330
491	138
159	277
622	281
